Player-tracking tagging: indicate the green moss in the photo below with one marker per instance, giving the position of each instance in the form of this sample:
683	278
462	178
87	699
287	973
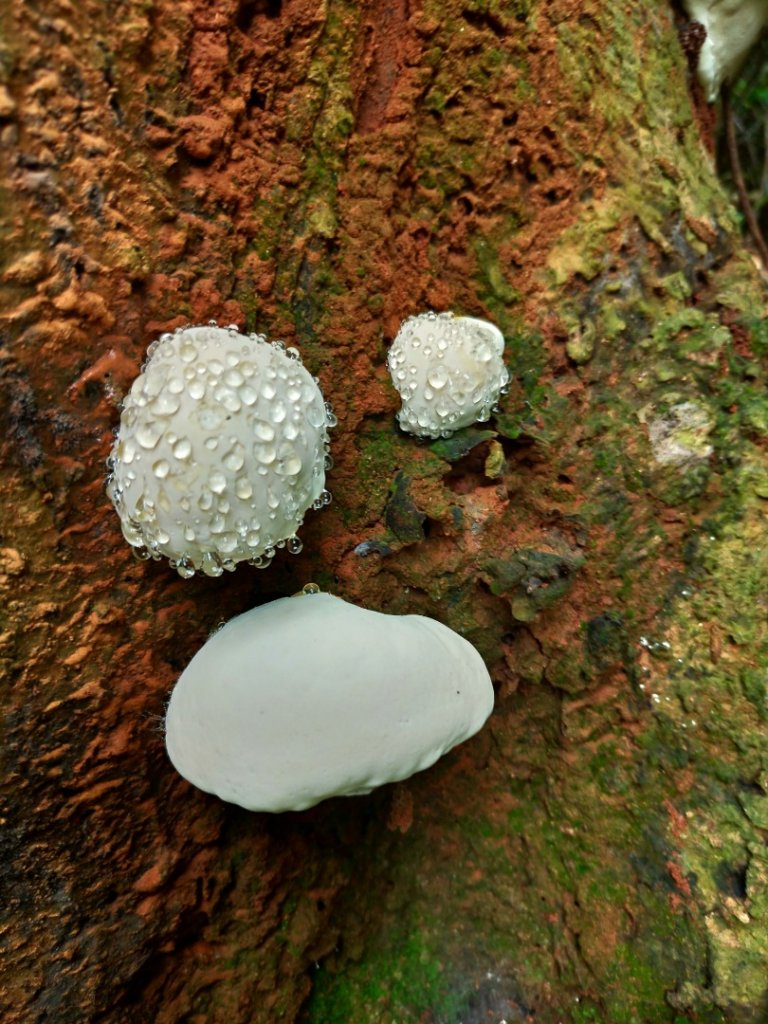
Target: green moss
399	981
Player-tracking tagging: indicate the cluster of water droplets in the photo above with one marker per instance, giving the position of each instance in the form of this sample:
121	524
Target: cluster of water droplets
221	449
449	372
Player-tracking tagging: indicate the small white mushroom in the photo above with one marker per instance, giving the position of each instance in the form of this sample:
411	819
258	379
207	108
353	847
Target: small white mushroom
448	370
221	449
733	27
311	697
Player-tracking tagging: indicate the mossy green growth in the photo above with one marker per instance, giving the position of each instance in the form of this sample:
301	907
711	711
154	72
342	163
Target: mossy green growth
400	980
532	580
461	443
711	692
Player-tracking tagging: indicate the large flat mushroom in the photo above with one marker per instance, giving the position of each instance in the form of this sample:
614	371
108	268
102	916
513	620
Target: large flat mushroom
311	697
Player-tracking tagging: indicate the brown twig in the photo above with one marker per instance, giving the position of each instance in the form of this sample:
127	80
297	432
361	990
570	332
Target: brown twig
738	177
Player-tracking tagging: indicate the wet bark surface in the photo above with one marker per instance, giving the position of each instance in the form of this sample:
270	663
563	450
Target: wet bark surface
318	171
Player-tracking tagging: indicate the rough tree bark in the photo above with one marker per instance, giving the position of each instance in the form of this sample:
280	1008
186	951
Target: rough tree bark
319	169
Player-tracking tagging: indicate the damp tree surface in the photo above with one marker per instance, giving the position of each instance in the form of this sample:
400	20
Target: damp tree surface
318	171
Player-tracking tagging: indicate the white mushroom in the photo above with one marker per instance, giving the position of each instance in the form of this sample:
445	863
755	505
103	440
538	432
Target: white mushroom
220	451
733	27
311	697
448	370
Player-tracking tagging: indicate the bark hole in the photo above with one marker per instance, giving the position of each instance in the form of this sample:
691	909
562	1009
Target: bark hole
249	10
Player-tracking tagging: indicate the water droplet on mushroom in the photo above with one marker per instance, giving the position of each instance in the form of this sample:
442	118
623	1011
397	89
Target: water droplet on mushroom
217	482
185	568
279	411
289	465
233	461
183	448
211	564
264	431
148	434
126	450
227	542
437	378
243	488
265	453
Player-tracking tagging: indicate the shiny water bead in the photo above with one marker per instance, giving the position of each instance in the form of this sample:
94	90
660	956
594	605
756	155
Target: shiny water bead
234	431
448	370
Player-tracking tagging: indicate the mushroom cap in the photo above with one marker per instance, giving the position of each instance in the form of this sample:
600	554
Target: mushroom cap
733	27
311	697
448	370
220	450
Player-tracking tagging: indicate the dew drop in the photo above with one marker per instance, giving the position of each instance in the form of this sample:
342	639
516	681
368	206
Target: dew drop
126	451
265	453
166	404
437	378
161	468
316	416
279	411
148	434
184	568
211	564
217	482
264	431
243	488
182	449
233	461
290	465
230	401
227	542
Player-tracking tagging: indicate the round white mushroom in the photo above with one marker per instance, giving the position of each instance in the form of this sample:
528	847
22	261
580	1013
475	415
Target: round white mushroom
733	27
221	449
310	697
449	372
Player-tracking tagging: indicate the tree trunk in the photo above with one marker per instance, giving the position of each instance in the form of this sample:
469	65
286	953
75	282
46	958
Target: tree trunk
319	171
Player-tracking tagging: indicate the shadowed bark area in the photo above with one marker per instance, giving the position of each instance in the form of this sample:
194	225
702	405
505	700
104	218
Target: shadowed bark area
318	171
